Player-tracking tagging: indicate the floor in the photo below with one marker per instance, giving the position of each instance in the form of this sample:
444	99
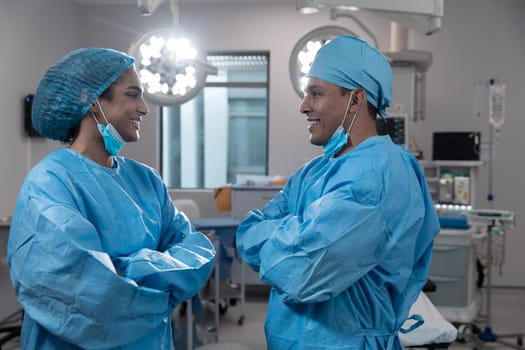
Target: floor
508	316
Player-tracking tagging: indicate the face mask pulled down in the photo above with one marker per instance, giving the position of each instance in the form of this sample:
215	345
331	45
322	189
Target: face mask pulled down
340	136
113	142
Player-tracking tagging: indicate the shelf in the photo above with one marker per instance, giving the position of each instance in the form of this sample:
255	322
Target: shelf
454	163
440	192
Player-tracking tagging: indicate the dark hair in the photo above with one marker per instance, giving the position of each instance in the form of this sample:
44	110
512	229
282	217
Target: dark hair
372	111
108	93
73	133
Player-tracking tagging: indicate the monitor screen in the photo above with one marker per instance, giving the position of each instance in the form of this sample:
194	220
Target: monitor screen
395	125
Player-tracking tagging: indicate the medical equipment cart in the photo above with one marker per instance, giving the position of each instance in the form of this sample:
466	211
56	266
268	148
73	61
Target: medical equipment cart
224	228
493	219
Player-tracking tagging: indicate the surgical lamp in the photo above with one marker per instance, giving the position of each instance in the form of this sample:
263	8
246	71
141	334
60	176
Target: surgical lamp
304	52
421	15
172	69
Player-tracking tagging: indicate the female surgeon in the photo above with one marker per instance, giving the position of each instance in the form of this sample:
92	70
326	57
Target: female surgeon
99	256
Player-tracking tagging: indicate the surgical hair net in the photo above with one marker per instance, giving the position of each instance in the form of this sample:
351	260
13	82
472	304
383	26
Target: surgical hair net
70	87
351	62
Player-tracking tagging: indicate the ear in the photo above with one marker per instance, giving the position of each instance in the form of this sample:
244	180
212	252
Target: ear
361	96
94	108
358	100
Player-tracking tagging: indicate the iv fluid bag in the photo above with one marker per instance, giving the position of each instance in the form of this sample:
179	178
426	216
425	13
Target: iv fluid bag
497	105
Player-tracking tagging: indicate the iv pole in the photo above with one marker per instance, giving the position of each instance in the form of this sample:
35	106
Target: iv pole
488	335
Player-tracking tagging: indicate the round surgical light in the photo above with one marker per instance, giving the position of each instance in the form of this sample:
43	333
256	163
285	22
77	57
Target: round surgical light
304	52
171	68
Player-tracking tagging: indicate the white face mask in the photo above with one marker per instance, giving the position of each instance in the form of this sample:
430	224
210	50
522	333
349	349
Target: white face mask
339	138
113	142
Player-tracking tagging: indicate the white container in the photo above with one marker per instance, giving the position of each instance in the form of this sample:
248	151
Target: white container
461	189
496	104
446	188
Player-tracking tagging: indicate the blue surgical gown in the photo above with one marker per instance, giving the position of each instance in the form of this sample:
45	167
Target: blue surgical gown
346	248
100	257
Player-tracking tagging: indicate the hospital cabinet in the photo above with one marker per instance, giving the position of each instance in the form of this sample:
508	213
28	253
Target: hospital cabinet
244	199
453	268
452	182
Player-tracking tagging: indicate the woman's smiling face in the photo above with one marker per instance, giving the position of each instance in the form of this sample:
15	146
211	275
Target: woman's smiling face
126	106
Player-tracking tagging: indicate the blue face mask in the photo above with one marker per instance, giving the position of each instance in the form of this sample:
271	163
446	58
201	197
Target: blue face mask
113	142
340	136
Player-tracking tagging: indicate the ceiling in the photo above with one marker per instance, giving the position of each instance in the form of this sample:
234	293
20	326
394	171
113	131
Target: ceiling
193	2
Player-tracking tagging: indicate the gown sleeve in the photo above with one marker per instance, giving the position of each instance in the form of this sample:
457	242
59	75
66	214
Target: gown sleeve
181	266
66	281
315	254
256	228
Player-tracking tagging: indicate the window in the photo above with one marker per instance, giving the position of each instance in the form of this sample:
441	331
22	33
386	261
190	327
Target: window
222	132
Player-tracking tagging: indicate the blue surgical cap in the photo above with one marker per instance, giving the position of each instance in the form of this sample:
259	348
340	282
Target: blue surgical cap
70	87
351	63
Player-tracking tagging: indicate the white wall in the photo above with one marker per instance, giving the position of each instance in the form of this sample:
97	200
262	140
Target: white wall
479	39
33	35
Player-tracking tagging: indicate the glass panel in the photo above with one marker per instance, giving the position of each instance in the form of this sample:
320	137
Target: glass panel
238	68
247	133
223	131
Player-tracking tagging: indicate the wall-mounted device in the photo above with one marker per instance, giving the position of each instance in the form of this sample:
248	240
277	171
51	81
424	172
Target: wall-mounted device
458	145
396	126
28	124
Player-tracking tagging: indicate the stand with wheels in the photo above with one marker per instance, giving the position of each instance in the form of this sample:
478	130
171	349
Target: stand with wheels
492	218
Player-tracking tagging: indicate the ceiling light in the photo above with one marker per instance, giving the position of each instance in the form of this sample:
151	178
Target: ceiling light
349	8
147	7
171	68
304	52
306	7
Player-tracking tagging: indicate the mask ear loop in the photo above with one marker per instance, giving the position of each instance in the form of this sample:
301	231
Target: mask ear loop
101	111
94	117
347	108
351	123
